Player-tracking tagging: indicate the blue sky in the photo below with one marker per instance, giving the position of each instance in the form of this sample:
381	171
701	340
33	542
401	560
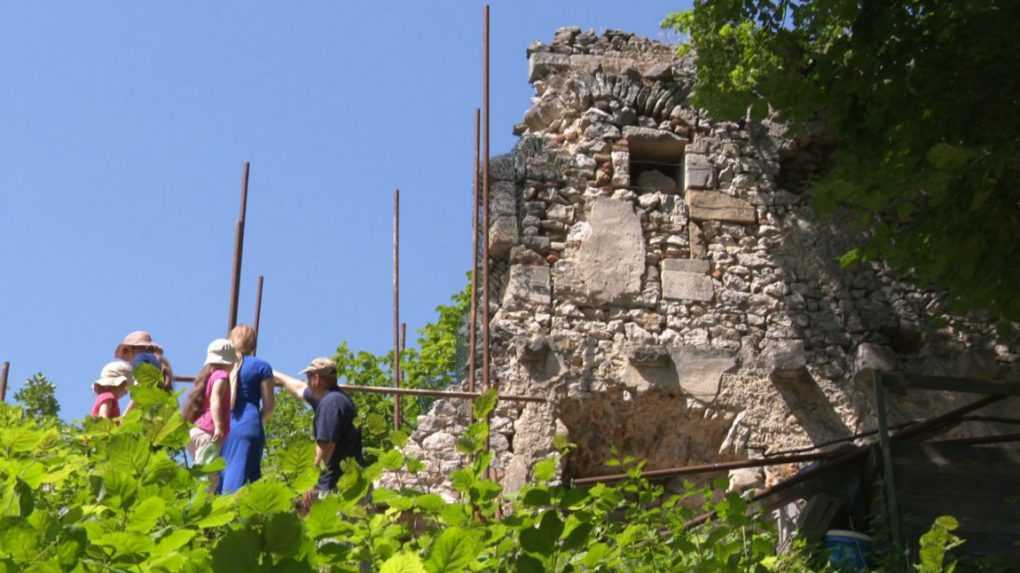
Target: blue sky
123	128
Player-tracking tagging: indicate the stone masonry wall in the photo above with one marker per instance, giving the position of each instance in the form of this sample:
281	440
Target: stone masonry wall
655	282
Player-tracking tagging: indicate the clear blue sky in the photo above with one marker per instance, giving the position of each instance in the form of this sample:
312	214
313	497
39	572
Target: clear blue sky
123	127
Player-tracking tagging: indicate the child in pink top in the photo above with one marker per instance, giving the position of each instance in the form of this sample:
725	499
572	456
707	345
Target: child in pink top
112	385
208	405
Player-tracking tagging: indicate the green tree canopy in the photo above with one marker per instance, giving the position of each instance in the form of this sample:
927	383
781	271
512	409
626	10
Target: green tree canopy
39	397
922	98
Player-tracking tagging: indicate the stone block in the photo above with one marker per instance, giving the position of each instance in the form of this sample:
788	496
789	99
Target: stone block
611	259
700	371
655	180
716	206
528	285
542	64
697	241
686	266
872	357
654	144
698	172
785	359
685	279
503	235
648	355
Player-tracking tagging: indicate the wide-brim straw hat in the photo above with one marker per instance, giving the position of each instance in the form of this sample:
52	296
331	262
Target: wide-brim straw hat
114	374
220	351
137	339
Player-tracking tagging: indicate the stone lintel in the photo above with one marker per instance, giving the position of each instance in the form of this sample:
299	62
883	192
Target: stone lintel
685	266
717	206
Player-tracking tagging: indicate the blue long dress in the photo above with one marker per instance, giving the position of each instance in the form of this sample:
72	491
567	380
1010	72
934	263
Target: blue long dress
242	451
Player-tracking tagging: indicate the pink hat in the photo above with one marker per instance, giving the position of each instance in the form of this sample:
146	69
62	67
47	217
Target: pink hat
137	339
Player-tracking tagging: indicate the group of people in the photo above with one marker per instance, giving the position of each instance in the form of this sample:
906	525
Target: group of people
231	401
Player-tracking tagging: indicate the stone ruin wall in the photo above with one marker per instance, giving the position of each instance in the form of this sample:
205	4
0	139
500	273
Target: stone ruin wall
661	278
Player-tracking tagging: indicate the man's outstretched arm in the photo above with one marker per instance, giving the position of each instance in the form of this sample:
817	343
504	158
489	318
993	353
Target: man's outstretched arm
291	384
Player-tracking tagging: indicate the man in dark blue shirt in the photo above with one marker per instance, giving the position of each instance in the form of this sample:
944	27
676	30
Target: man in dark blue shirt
336	437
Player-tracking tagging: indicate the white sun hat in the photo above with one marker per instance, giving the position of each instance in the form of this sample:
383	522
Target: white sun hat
220	351
114	374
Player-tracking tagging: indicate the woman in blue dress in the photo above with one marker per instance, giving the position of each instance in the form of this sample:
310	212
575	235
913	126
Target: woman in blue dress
252	399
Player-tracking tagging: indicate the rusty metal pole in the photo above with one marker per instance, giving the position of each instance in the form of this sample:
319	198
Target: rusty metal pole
485	210
403	341
396	307
235	284
258	313
473	324
3	381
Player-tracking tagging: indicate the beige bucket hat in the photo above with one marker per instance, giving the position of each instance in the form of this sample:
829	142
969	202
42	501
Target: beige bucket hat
114	374
220	351
137	339
321	364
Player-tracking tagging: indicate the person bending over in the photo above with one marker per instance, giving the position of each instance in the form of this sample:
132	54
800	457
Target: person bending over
336	437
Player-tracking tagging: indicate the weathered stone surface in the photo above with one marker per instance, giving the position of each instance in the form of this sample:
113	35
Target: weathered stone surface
503	229
529	285
679	283
698	172
541	64
784	358
697	240
654	180
717	206
686	266
651	143
611	260
700	371
873	357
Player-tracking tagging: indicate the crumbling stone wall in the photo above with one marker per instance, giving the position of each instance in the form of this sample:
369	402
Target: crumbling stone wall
669	297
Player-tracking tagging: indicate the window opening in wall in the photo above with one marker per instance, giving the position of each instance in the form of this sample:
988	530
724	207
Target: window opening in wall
656	167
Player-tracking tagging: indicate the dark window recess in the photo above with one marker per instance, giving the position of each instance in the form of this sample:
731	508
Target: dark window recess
656	168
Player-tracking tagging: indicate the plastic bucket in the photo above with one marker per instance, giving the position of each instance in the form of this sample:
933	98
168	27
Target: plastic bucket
848	550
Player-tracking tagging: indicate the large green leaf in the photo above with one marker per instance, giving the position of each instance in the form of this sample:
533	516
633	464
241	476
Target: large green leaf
144	516
237	552
403	563
283	534
264	498
128	453
452	551
323	520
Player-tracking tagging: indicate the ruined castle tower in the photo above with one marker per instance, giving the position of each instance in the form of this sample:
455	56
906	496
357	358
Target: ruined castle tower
662	280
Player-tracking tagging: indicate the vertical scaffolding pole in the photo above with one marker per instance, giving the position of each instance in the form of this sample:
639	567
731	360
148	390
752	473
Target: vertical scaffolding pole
396	307
3	380
258	313
892	509
473	324
235	283
485	210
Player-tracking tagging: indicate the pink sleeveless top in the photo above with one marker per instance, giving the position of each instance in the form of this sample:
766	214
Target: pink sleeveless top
101	399
205	421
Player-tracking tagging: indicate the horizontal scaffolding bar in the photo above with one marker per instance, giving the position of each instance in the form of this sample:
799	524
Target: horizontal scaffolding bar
951	384
706	468
413	392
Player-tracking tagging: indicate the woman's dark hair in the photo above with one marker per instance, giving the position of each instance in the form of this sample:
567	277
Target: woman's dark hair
196	399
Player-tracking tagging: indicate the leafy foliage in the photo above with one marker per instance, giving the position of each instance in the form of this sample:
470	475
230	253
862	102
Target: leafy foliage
919	95
106	497
38	397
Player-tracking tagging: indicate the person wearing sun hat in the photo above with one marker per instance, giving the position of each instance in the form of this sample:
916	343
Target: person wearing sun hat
138	347
208	405
112	384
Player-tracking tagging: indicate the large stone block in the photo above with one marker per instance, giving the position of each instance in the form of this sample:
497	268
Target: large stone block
686	266
649	143
542	64
716	206
686	279
529	285
610	261
698	172
700	370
